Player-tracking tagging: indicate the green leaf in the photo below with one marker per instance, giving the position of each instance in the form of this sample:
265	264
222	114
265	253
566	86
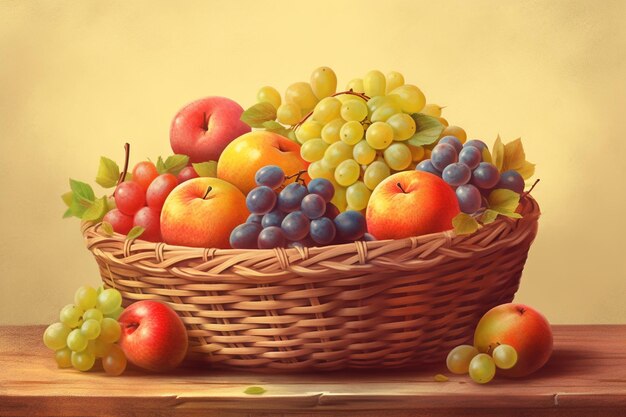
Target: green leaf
160	166
135	232
504	202
489	216
96	211
292	135
206	169
497	153
256	115
175	163
255	390
83	193
427	130
464	224
107	228
67	198
108	173
275	127
68	213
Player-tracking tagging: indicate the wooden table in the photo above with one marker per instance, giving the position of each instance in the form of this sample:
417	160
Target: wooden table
586	376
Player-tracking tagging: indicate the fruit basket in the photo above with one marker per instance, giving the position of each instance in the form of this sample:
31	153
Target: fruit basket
387	303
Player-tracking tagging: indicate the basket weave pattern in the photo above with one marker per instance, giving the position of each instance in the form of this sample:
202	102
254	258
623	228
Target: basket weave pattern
392	303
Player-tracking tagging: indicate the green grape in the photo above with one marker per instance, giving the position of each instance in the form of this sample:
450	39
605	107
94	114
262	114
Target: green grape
110	330
55	336
357	196
313	150
288	114
394	80
100	289
482	369
374	84
318	170
337	153
432	110
374	103
504	356
339	198
455	131
90	329
98	347
459	358
86	297
70	315
352	132
375	173
116	314
301	95
330	131
398	156
417	153
363	153
323	82
270	95
109	300
83	361
379	135
77	341
385	111
403	126
356	86
347	172
354	110
309	130
412	99
63	357
93	314
326	110
114	363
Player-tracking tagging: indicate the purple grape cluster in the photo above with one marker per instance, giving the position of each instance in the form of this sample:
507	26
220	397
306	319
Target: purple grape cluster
297	215
463	168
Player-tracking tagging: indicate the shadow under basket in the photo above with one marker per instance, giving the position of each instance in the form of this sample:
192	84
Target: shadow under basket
390	303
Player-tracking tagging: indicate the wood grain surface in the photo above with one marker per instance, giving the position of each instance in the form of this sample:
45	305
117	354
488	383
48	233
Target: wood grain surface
586	376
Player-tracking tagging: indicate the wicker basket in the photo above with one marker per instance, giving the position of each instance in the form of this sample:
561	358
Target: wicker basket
394	303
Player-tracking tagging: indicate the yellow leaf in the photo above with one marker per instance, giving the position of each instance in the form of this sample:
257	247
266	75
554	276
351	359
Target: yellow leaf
514	156
503	201
441	378
498	154
527	170
487	156
489	216
464	224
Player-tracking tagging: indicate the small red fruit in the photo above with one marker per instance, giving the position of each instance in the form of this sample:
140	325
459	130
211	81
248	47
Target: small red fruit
121	222
129	197
159	189
187	173
144	173
150	219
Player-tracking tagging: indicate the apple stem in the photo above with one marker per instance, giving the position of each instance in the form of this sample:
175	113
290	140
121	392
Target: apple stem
531	188
400	187
208	190
363	96
126	160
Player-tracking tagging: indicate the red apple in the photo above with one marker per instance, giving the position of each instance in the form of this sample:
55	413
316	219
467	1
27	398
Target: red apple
520	326
411	203
153	336
202	129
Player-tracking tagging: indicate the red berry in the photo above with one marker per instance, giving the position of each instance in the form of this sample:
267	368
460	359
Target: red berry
121	223
144	173
129	197
149	219
159	189
187	173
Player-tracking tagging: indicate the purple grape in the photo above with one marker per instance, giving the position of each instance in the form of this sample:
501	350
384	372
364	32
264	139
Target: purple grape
470	156
261	200
291	197
331	211
254	218
427	166
350	225
322	187
245	236
313	206
273	218
307	242
485	176
443	155
469	198
476	143
511	180
295	226
323	230
456	174
271	237
368	237
452	140
271	176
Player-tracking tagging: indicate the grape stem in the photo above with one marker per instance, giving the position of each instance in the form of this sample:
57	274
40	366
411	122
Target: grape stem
298	176
350	92
122	176
208	190
531	188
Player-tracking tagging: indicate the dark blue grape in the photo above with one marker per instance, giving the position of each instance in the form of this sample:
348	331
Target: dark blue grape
511	180
271	237
307	242
271	176
261	200
427	166
469	198
485	176
452	140
331	211
476	143
368	237
456	174
323	188
470	156
323	230
245	236
254	218
291	196
350	225
443	155
295	225
273	218
313	206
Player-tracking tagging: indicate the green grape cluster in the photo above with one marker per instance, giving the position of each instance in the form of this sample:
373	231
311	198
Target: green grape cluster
481	367
88	330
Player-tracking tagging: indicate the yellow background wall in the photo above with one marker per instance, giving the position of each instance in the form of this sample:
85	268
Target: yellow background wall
79	78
